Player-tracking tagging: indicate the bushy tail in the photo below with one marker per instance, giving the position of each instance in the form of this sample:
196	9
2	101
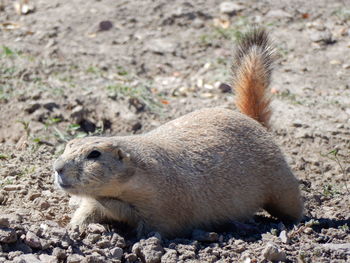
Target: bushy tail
251	75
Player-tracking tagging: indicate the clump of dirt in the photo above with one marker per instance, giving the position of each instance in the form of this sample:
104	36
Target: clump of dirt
101	67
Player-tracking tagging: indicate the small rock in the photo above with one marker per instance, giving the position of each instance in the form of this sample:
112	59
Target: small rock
131	257
198	23
117	253
8	235
32	240
74	258
92	239
118	241
47	259
94	258
335	62
77	114
161	46
273	253
103	243
32	107
50	105
27	258
169	256
278	13
338	247
230	8
14	254
149	250
284	237
308	230
204	236
105	25
225	88
59	253
96	228
325	37
13	187
4	221
346	66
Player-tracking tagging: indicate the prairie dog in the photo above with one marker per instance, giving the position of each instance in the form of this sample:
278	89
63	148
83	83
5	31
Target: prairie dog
205	168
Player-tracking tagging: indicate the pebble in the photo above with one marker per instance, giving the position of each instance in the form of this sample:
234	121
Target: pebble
169	256
204	236
225	88
8	235
32	107
59	253
105	25
230	8
323	36
283	236
27	258
273	253
308	230
278	13
346	66
149	250
13	187
161	46
74	258
338	247
44	258
4	221
32	240
116	252
96	228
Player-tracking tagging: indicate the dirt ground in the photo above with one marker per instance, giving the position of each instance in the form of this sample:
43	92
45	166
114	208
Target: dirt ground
74	68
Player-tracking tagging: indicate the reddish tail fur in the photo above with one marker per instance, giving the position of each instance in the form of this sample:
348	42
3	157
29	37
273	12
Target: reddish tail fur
251	72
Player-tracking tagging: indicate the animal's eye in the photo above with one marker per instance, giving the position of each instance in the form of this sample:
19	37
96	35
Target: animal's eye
94	154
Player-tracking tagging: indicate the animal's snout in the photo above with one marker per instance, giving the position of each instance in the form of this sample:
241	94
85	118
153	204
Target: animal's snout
59	166
60	177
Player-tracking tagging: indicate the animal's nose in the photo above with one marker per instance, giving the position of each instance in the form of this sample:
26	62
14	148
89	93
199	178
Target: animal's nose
58	166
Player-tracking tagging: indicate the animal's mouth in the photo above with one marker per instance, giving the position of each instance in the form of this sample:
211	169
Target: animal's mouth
61	181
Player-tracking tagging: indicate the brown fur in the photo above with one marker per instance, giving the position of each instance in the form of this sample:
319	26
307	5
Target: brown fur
251	76
205	168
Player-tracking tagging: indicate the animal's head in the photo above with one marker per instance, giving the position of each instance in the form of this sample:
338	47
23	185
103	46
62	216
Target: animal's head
91	166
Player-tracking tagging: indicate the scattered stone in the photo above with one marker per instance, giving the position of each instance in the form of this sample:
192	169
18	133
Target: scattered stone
284	237
204	236
4	221
7	235
96	228
105	25
117	253
118	241
14	254
325	37
278	13
308	230
335	62
44	258
273	253
94	258
346	66
131	257
59	253
149	250
50	105
230	8
74	258
32	107
27	258
32	240
13	187
169	256
103	244
161	46
338	247
225	88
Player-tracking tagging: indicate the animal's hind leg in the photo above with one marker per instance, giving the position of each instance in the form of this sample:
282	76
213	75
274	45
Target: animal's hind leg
284	200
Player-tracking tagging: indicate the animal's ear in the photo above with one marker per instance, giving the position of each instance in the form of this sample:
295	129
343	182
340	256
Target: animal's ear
122	155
